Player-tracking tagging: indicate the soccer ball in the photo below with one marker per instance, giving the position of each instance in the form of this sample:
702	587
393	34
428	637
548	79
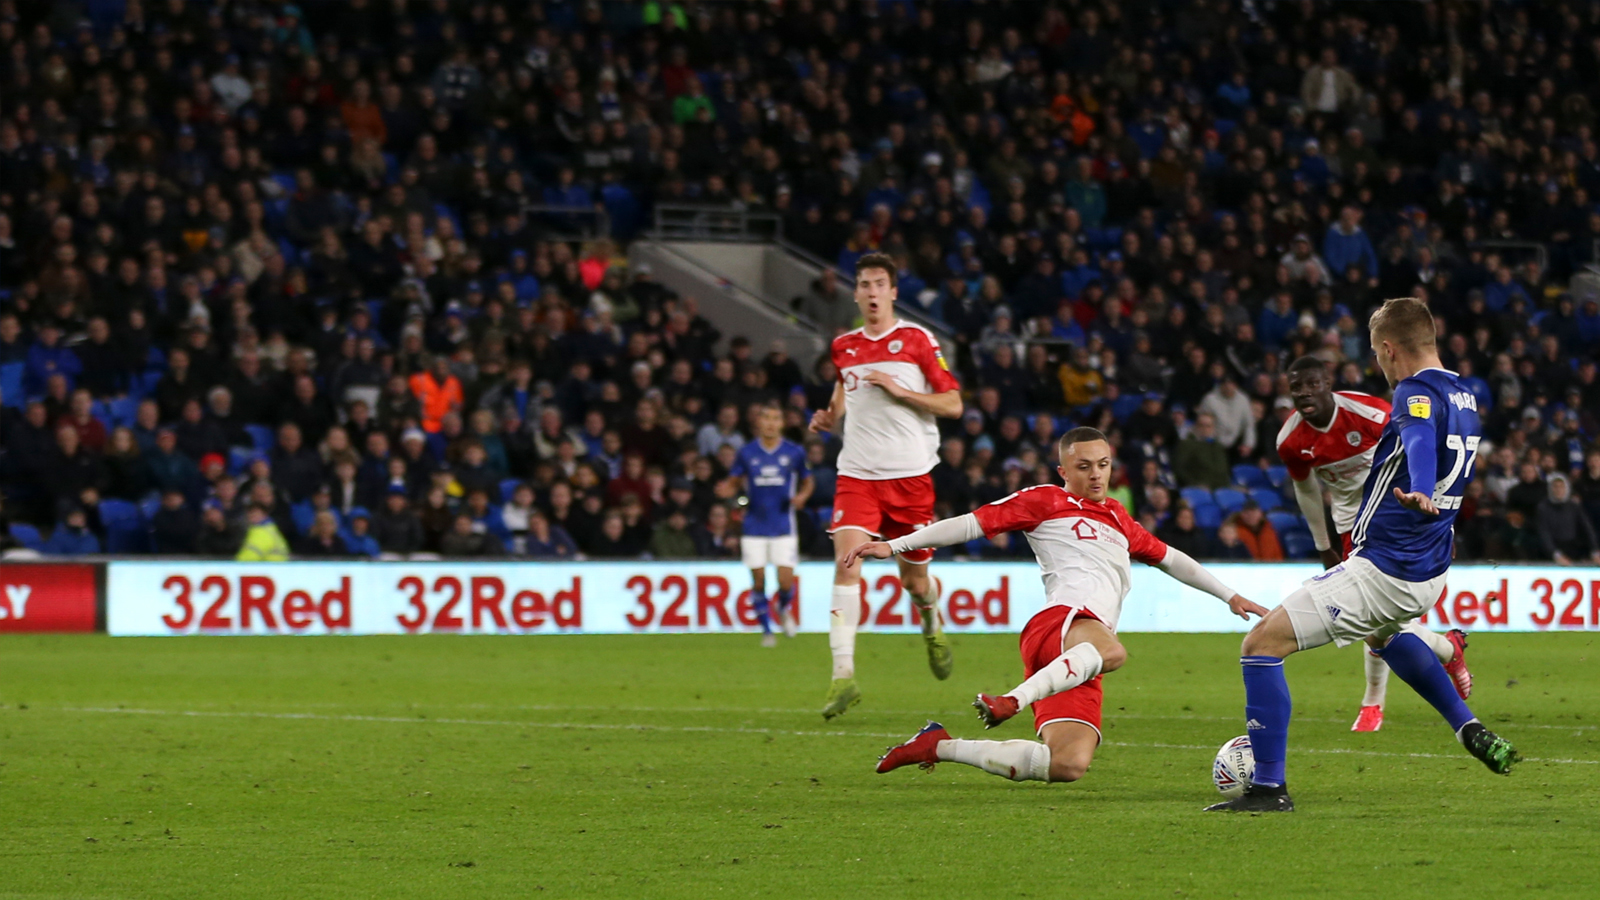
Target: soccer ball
1235	766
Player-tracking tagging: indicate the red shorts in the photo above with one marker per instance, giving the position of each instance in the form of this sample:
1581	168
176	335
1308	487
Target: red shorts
1041	645
886	509
1346	547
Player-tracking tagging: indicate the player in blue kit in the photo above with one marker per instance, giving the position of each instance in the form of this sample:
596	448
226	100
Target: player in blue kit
1403	540
776	480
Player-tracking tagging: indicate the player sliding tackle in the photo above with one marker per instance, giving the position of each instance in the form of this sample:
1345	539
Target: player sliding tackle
1084	543
1331	438
1402	541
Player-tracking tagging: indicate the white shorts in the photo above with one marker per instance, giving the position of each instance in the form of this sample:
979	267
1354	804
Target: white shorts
760	552
1354	600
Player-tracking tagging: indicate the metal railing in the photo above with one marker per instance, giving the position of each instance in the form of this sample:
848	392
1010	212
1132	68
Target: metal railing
709	222
569	223
906	310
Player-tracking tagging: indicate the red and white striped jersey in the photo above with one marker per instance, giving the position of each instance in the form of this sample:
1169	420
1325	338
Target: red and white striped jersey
1340	454
1084	548
884	438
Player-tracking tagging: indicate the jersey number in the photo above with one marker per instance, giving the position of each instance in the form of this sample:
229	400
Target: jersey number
1466	452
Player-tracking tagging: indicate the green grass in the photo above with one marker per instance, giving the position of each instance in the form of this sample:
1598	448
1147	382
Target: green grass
692	766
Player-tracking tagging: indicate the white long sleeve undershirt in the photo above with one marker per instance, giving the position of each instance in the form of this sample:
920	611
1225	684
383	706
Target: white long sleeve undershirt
1182	566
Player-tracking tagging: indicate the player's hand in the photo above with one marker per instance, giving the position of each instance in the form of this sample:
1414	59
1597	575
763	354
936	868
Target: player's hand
821	420
869	550
1330	558
1243	608
1416	500
885	381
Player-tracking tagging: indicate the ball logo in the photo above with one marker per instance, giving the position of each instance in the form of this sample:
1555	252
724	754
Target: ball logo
838	514
1354	438
896	346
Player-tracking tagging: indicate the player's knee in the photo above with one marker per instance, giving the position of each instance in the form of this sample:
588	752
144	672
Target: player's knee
1068	766
916	585
1255	642
1112	658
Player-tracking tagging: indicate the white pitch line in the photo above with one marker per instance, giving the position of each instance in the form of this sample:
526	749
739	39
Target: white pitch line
688	729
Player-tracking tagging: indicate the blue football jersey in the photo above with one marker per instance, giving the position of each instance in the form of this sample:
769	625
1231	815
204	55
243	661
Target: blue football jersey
1403	543
771	478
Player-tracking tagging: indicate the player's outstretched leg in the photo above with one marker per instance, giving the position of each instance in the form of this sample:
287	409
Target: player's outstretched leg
1456	665
1418	666
1371	716
842	692
1267	711
1064	754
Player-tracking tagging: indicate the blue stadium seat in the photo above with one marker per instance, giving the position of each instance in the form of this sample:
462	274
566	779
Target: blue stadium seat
149	506
1208	517
1230	500
1250	476
1284	522
507	486
128	537
1124	406
27	535
1278	476
262	436
118	512
124	411
11	384
1267	498
301	515
240	458
1298	545
1197	497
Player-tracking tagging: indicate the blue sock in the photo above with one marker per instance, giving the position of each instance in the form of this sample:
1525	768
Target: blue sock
1266	709
758	600
785	598
1417	665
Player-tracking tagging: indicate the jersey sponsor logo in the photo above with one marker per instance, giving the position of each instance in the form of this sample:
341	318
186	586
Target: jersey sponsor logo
1354	437
1420	407
896	346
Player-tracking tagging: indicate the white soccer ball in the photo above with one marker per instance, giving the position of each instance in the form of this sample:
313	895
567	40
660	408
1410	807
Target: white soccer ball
1235	766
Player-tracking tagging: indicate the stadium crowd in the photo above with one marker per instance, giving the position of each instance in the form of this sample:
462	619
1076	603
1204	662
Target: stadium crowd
268	270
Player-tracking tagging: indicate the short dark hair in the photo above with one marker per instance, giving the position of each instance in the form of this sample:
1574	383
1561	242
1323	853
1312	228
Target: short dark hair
1080	435
878	261
1308	364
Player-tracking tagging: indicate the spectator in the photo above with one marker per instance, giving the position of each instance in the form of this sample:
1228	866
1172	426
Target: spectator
397	529
1182	533
1235	423
714	538
263	542
71	536
220	536
1200	460
358	539
1228	545
547	541
1565	532
464	541
1256	533
671	538
174	526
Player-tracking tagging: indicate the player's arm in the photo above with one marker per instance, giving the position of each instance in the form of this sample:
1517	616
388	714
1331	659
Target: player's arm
946	404
1422	450
826	419
943	533
1308	495
1182	566
802	494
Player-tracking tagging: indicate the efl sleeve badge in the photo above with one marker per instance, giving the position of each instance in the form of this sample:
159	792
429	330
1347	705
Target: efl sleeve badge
1419	406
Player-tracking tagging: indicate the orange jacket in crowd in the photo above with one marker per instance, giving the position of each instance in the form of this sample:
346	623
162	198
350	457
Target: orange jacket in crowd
1262	543
436	399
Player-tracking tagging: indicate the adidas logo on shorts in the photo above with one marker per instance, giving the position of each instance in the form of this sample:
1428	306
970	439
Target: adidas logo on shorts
1333	612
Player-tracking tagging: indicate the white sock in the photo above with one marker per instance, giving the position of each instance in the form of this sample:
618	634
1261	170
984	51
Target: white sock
842	623
1377	678
1016	760
928	611
1072	668
1438	643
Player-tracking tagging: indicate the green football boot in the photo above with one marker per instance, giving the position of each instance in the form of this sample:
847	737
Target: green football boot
842	694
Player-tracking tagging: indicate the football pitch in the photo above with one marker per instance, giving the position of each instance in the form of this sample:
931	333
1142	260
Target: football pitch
694	766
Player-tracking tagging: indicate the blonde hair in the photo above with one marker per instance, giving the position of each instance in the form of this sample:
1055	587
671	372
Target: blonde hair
1405	322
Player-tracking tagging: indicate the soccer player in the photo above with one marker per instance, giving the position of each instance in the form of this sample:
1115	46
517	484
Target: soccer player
893	382
1084	542
776	480
1330	439
1402	542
